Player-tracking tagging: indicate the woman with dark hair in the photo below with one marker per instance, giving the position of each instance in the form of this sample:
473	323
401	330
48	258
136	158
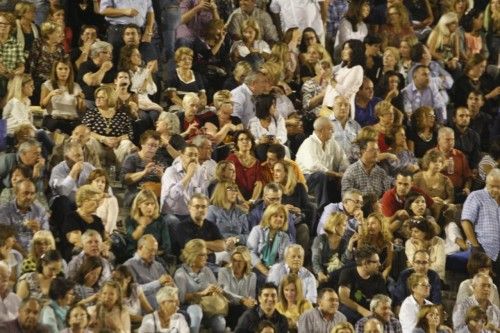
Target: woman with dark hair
313	90
352	26
248	168
61	296
141	81
80	54
11	257
37	284
348	76
489	161
475	78
429	320
424	236
423	133
77	320
87	278
268	126
472	38
108	209
478	262
63	98
309	37
132	295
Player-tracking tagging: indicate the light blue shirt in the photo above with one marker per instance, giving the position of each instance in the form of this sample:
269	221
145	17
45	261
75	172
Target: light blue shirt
174	196
63	184
482	210
142	6
243	104
414	98
345	135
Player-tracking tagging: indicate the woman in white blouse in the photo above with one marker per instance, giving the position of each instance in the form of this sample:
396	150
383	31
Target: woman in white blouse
250	42
348	76
108	209
63	98
352	25
420	289
268	126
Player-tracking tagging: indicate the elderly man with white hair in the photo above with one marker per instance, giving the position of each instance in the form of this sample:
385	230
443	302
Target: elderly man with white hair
166	318
380	306
294	263
323	162
481	222
9	301
481	287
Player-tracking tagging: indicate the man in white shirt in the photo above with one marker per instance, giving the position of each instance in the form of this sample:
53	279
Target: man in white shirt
301	14
9	302
323	162
243	96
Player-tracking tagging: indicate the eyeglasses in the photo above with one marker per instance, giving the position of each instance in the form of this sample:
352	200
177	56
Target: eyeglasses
232	189
198	206
426	285
421	262
357	202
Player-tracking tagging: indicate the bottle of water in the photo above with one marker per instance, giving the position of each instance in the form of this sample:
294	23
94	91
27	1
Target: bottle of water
112	173
451	166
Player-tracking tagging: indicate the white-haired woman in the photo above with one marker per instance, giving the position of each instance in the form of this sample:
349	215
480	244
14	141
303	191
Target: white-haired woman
171	142
165	319
190	123
195	280
239	283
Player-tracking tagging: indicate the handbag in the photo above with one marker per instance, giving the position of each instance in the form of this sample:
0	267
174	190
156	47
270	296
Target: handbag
214	305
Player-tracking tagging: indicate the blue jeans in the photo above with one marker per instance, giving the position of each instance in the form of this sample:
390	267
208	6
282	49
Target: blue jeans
170	20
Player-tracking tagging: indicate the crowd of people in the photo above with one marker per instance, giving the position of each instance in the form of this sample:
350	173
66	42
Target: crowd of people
308	166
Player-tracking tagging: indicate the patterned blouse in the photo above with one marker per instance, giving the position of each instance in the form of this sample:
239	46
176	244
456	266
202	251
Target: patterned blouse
119	125
41	59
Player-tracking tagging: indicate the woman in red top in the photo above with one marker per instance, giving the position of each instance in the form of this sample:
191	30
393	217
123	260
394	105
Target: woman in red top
248	168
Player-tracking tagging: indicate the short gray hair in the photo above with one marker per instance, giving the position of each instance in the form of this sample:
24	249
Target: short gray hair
377	322
253	76
377	299
320	123
291	247
89	234
199	140
445	130
478	276
70	145
350	192
144	239
273	187
98	47
166	293
28	145
493	174
173	120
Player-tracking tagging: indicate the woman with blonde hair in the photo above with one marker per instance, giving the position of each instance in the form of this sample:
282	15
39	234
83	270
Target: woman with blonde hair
328	250
109	313
188	119
375	231
17	111
444	43
195	280
110	127
315	53
145	219
41	242
227	215
268	240
398	26
26	29
313	90
240	72
88	199
343	328
251	46
291	301
239	284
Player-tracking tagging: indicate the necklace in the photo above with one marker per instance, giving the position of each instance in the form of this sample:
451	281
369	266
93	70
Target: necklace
108	121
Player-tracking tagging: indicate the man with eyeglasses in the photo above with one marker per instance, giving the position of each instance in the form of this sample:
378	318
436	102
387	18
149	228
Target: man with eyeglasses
180	181
420	263
351	204
197	227
358	284
148	273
